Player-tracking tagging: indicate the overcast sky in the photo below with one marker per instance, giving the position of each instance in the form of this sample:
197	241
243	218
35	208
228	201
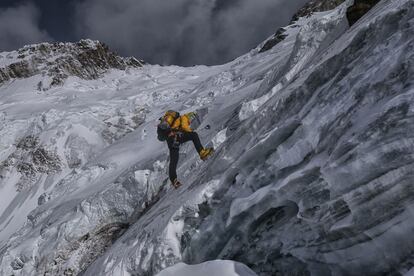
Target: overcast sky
182	32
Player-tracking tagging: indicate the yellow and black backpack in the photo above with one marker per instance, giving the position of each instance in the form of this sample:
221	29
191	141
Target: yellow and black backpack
164	126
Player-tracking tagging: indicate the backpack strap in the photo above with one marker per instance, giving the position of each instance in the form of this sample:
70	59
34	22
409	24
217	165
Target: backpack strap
173	119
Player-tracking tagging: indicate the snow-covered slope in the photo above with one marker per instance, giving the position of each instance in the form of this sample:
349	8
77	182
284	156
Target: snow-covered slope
227	268
312	173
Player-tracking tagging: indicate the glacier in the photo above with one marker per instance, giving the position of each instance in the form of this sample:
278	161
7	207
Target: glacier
312	173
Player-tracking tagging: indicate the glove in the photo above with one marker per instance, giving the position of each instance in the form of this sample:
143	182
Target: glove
191	115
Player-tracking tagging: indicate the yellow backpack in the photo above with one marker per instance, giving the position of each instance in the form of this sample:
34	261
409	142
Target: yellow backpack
165	124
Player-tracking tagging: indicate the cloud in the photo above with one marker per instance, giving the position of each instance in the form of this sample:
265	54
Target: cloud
184	32
19	27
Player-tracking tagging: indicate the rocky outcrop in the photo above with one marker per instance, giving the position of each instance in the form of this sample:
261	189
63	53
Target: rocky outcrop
31	160
19	69
358	9
278	37
85	59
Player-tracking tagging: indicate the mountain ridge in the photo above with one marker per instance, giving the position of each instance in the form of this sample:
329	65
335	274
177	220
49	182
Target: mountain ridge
85	59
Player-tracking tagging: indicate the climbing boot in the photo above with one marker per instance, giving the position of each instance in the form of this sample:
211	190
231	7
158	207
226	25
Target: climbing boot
176	184
205	153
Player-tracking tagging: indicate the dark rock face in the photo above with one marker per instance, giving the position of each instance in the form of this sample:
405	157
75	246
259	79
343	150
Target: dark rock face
306	11
100	240
278	37
358	9
85	59
19	70
18	263
31	160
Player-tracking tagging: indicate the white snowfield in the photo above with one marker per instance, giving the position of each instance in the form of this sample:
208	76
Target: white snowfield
313	171
219	268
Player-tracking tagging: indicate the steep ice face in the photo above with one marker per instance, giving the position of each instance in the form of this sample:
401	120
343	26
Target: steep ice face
323	187
311	176
316	181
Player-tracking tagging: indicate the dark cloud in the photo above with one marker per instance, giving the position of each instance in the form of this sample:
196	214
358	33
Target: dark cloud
183	32
20	26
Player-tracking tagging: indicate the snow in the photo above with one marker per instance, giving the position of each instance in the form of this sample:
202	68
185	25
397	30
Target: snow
410	272
219	139
224	268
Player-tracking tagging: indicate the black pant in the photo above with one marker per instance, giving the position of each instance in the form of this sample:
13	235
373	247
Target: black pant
173	146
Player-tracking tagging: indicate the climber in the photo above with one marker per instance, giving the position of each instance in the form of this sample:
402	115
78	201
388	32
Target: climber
176	130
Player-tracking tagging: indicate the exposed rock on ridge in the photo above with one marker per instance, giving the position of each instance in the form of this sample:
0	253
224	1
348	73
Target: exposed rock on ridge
316	6
358	9
85	59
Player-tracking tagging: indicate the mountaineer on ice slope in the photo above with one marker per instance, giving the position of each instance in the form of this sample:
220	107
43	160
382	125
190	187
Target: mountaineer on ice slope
176	130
